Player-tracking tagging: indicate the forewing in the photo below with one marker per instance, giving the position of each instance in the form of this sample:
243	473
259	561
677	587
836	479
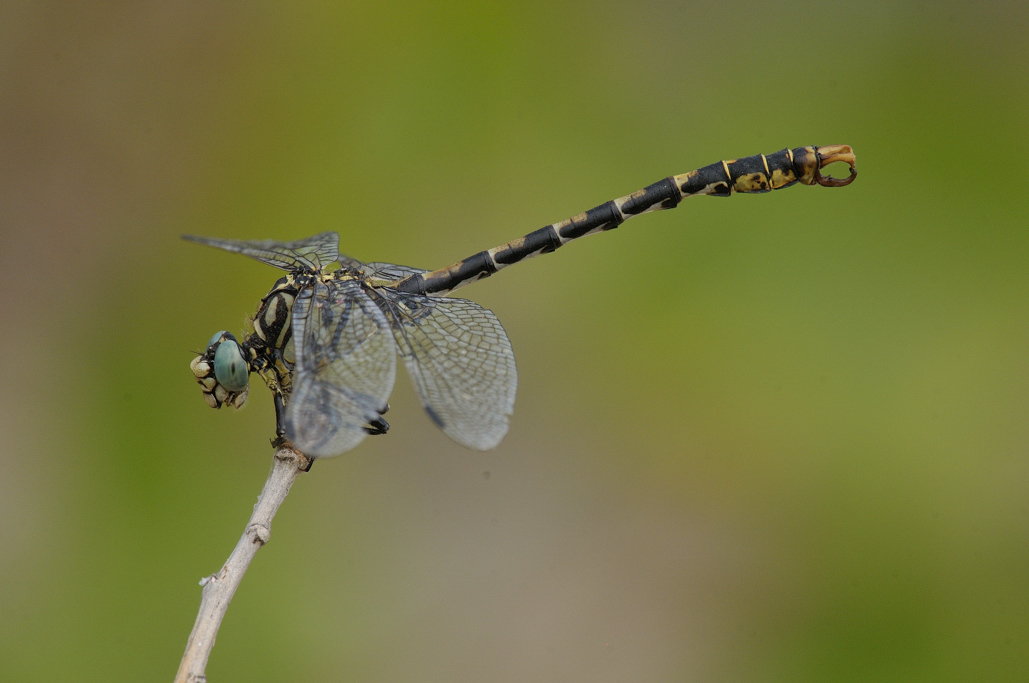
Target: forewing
460	361
313	253
345	367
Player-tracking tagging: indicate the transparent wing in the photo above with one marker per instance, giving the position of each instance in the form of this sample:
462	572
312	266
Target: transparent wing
313	253
460	361
391	271
345	367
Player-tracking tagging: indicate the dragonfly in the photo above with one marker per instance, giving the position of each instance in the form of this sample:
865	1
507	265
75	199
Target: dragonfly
326	337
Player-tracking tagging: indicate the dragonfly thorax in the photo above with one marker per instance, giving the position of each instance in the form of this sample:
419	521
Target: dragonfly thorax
272	320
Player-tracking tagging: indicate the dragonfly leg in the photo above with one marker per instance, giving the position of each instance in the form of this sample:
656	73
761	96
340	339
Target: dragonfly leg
378	425
280	414
280	433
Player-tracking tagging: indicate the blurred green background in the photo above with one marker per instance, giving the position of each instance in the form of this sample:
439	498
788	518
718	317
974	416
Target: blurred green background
775	438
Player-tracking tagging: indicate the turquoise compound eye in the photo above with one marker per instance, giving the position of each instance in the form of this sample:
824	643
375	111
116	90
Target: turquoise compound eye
216	337
231	371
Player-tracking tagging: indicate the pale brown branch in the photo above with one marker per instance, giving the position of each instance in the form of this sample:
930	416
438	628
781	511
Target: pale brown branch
219	588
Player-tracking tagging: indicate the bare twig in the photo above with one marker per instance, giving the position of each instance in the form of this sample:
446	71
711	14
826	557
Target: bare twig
219	588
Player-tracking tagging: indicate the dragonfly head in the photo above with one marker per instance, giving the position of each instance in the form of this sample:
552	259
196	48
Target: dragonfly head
223	372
